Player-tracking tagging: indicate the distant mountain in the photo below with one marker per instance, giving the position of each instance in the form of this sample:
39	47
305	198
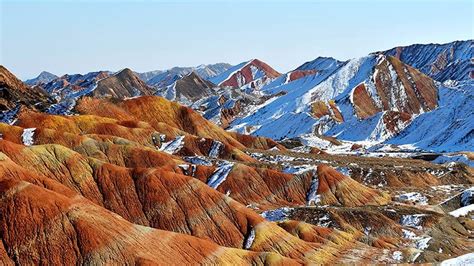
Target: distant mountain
439	61
43	78
188	89
145	76
124	84
253	73
163	78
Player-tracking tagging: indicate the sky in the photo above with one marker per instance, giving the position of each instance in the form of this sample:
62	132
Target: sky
82	36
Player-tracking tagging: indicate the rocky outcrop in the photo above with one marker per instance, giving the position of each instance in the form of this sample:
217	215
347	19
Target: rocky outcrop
13	93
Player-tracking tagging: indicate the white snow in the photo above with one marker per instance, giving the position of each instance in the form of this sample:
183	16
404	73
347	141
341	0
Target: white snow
415	197
454	158
199	160
313	198
466	196
409	234
276	215
220	175
423	243
215	149
466	259
27	136
250	239
173	146
463	211
397	255
412	220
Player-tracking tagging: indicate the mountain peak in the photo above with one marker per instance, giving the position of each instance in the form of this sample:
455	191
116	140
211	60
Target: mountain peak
124	84
245	73
43	78
320	63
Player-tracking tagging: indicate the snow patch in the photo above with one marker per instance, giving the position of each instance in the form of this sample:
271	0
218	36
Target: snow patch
173	146
250	239
277	215
220	175
27	136
412	220
313	198
397	255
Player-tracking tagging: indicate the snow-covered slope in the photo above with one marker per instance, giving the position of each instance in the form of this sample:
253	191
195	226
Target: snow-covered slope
385	81
439	61
284	116
448	128
370	100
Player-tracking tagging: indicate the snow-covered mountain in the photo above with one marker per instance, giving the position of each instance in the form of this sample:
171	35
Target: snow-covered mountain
440	61
369	100
43	78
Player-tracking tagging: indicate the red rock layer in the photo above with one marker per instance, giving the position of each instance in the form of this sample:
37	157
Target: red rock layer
395	121
297	74
42	226
254	142
364	105
398	87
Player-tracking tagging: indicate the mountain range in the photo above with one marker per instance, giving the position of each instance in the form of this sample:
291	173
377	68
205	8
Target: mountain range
364	161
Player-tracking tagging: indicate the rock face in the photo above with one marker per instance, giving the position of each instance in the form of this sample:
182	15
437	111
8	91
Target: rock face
124	84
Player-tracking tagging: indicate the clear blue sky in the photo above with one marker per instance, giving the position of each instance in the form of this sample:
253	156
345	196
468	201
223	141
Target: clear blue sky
82	36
